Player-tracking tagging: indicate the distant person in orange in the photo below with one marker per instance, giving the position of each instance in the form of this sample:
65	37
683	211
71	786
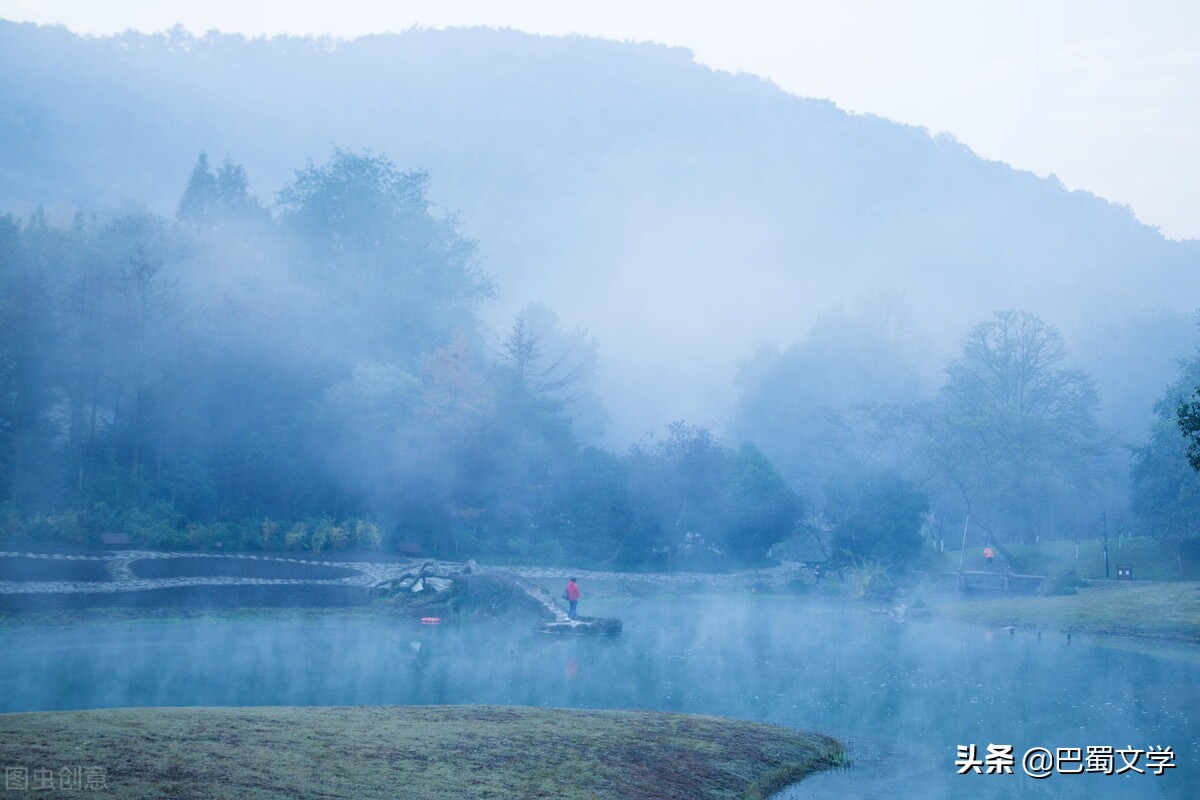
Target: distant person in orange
571	595
988	556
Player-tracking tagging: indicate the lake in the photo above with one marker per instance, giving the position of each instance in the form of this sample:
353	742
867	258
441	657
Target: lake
905	696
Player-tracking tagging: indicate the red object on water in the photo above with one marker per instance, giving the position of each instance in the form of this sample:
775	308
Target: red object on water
430	620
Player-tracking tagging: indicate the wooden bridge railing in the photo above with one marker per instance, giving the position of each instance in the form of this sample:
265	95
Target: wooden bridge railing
998	581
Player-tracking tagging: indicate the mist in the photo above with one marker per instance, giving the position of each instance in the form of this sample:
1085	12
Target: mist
285	320
641	196
667	233
900	691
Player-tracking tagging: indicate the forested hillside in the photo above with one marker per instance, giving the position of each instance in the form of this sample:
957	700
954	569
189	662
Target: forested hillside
481	292
639	194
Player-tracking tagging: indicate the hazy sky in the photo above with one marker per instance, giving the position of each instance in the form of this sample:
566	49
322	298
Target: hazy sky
1105	94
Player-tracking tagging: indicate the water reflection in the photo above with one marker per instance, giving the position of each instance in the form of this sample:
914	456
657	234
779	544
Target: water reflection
905	695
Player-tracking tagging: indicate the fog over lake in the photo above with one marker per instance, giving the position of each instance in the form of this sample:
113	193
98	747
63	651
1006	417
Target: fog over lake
904	695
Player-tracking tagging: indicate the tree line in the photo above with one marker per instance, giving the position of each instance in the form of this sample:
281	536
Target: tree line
1007	450
315	375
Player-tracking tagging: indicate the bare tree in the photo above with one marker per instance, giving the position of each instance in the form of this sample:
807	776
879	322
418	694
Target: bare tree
1014	433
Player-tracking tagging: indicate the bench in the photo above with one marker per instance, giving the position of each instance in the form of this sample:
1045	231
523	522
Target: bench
115	539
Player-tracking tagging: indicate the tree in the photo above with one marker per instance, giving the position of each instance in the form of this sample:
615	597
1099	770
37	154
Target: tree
199	201
219	198
805	407
1166	489
596	512
1188	416
551	370
1014	432
400	280
700	502
876	515
760	510
28	334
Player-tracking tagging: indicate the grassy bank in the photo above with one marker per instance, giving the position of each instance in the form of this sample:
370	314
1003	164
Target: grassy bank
1151	559
430	752
1164	610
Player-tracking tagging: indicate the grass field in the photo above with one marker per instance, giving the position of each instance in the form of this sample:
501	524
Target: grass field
1150	558
427	752
1163	610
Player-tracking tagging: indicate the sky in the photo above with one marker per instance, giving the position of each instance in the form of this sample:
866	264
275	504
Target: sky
1104	94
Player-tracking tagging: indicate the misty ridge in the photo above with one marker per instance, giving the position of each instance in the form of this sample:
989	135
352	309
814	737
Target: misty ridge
553	298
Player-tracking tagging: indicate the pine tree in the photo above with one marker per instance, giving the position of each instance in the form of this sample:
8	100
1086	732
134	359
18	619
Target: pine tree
199	202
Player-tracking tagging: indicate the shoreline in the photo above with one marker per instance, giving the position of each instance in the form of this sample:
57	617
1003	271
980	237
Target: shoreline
184	584
1163	612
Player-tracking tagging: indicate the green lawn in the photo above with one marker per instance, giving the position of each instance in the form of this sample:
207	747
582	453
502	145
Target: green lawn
1150	559
1163	610
427	752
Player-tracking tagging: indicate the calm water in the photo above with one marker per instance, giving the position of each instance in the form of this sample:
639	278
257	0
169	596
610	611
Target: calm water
904	695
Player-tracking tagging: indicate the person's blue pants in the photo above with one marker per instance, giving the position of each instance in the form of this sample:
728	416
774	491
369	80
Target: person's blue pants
571	613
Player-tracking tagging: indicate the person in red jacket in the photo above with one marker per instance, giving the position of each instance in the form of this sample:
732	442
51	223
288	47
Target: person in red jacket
571	595
988	556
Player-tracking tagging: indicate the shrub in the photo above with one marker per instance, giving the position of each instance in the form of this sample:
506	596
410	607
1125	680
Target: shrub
1065	581
156	525
368	535
872	580
324	533
297	537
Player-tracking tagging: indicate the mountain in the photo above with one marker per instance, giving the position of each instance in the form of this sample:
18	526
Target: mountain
681	214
